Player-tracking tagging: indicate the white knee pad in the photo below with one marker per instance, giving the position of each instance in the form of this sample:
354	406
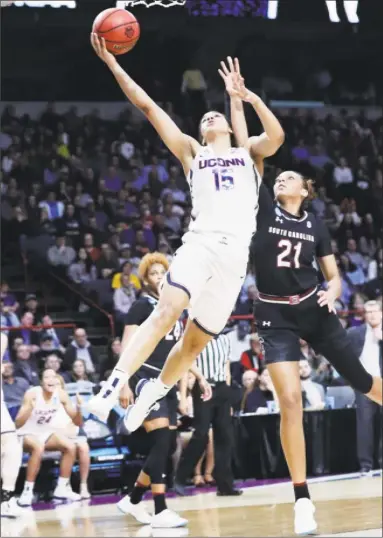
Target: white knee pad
11	457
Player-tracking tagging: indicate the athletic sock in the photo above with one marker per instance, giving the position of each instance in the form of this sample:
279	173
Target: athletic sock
301	491
28	486
62	482
159	389
114	383
159	502
138	492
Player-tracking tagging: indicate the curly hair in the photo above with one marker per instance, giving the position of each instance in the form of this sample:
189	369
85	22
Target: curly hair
150	259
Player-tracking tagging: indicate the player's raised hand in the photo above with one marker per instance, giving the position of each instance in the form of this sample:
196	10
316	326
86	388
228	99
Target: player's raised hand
206	389
326	298
98	44
234	82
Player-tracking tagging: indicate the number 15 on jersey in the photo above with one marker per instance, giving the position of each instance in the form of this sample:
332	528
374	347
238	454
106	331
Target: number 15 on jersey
222	178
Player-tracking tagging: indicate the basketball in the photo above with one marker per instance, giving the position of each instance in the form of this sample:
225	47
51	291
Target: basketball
119	28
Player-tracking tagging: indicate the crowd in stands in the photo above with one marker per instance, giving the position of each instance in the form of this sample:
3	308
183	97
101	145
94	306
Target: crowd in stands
90	197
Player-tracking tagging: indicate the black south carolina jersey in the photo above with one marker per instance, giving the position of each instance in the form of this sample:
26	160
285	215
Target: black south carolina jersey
285	247
138	313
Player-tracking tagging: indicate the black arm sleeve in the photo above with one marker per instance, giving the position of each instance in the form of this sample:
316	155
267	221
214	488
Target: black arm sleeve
266	204
138	313
323	243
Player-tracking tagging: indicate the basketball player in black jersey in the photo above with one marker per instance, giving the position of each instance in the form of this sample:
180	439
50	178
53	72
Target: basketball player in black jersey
288	244
161	423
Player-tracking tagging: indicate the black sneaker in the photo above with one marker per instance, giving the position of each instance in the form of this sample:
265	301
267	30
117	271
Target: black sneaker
229	492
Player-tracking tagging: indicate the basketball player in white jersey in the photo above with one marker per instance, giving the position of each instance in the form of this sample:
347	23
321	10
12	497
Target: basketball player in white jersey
11	453
207	272
65	425
35	423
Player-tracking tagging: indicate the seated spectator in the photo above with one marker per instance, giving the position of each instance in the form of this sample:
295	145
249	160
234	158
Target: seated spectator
124	253
8	298
30	336
126	270
353	275
107	264
141	246
45	224
26	365
70	224
92	251
35	423
7	317
253	358
114	352
355	256
60	255
51	173
178	195
83	269
172	221
314	397
46	349
78	372
375	266
55	209
300	152
356	317
13	387
123	298
239	340
81	348
342	173
257	392
58	335
54	362
32	305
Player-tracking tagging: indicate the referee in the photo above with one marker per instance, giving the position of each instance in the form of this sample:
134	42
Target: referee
214	364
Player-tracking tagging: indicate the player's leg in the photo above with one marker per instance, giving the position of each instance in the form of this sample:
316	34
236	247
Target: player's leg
11	457
57	442
83	456
332	341
35	447
184	280
282	353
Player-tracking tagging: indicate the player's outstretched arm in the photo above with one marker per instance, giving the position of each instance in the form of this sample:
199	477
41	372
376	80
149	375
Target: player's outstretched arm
182	146
271	140
237	113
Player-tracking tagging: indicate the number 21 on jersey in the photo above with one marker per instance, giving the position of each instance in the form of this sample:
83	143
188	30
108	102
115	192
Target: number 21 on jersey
285	259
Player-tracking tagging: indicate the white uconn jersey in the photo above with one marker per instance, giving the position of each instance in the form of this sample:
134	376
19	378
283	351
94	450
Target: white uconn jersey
41	419
224	194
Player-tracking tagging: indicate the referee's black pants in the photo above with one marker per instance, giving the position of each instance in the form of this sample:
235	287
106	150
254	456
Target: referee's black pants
368	425
215	413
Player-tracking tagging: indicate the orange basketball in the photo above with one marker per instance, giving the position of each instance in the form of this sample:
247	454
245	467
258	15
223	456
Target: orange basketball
119	28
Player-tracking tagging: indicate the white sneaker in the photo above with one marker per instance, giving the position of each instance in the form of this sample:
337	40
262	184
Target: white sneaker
304	522
10	508
138	511
144	404
26	498
168	519
100	407
84	492
65	493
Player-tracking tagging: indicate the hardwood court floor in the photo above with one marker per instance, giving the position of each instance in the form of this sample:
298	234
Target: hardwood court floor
346	507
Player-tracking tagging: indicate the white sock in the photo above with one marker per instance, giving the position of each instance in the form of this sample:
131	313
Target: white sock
351	9
114	383
332	10
62	482
159	388
28	486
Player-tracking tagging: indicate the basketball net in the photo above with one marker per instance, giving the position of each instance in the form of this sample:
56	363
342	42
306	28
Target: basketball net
150	3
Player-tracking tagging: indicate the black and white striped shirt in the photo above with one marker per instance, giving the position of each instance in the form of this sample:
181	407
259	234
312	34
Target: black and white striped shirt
212	360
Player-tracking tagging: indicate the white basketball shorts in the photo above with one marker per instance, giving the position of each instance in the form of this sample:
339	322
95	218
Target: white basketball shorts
211	270
7	424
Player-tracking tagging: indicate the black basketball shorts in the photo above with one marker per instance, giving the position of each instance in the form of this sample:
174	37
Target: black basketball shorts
282	325
168	406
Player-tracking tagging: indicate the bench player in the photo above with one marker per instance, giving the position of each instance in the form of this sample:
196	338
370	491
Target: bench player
11	453
35	421
161	423
207	272
292	305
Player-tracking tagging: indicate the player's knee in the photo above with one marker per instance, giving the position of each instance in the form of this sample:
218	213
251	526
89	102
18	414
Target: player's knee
192	344
290	402
69	448
83	449
37	450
